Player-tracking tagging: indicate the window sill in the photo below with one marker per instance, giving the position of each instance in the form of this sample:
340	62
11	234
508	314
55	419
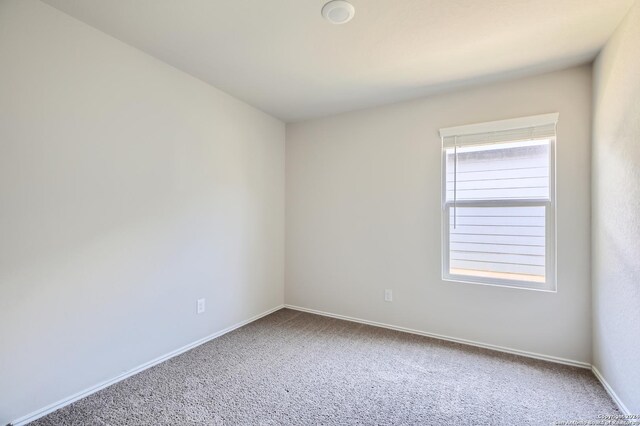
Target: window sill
500	283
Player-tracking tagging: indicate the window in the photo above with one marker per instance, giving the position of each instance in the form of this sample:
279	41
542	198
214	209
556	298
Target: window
498	201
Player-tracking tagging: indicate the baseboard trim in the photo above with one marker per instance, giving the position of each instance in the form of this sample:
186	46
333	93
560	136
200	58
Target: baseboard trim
93	389
610	391
527	354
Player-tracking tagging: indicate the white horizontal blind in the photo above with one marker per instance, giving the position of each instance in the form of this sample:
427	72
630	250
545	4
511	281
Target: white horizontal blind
497	201
501	171
511	130
511	135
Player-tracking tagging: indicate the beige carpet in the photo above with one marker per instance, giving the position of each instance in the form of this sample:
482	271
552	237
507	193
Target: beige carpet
300	369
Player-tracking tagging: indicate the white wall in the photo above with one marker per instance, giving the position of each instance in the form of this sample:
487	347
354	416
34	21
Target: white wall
128	189
363	214
616	212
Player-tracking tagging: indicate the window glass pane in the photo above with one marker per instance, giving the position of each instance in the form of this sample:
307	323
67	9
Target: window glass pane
516	170
498	242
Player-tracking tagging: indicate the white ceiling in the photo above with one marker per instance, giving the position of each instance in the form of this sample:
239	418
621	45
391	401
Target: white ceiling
284	58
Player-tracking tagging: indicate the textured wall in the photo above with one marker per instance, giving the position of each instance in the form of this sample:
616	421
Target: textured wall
363	214
128	189
616	212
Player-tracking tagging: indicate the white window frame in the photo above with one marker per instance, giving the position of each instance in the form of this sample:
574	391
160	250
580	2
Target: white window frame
549	205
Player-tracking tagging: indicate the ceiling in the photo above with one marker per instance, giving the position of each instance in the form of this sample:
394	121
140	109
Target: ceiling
282	57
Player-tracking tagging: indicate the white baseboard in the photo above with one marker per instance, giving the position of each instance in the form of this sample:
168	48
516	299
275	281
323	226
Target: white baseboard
610	391
448	338
66	401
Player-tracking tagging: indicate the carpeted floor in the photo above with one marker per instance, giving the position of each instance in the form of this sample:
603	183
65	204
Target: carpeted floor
295	368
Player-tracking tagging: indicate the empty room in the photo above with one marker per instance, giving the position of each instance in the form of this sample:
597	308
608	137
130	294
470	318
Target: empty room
319	212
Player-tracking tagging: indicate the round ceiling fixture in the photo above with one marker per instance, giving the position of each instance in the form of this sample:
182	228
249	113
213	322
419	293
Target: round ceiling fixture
338	11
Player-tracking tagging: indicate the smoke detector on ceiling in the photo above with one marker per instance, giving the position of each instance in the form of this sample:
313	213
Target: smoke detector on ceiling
338	11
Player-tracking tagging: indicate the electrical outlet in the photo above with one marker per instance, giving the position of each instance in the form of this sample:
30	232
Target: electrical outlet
201	306
388	295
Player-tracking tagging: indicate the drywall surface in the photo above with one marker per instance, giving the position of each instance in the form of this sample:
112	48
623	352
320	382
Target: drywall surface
616	212
128	190
364	214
